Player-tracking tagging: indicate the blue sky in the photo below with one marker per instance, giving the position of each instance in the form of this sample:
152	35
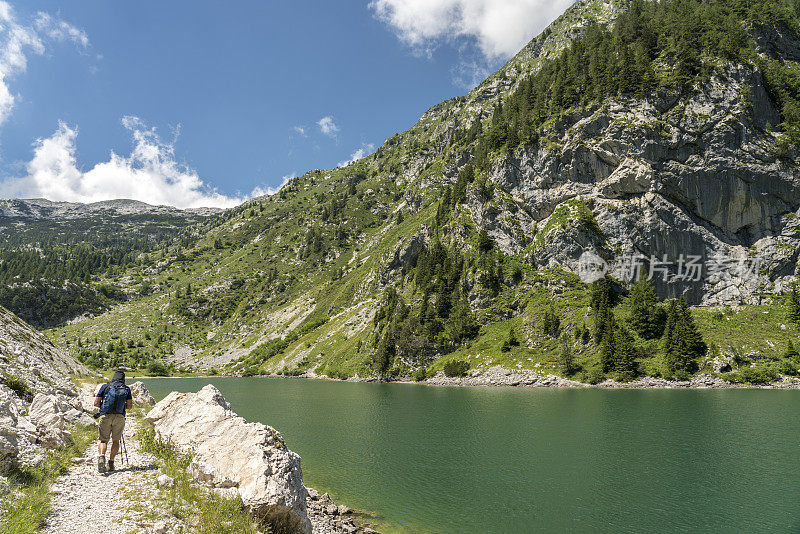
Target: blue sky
206	103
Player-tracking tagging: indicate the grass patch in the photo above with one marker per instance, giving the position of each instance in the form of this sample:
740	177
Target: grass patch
204	511
19	385
27	513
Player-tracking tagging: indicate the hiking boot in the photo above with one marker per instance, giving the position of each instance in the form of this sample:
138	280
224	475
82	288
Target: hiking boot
101	464
111	465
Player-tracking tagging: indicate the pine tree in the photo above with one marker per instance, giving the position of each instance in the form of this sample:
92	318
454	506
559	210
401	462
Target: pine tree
608	349
566	359
683	343
645	317
601	303
625	354
794	306
693	343
672	358
791	352
551	322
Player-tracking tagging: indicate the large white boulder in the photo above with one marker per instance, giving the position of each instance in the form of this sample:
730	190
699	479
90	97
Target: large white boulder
141	396
229	451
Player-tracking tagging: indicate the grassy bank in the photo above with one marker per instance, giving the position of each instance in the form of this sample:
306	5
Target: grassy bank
204	511
26	511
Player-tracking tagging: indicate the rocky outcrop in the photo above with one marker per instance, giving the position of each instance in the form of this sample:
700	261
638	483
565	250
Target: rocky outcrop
228	451
33	370
17	434
52	415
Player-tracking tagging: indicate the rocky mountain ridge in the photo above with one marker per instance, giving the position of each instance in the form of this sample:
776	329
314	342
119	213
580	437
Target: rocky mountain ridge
40	208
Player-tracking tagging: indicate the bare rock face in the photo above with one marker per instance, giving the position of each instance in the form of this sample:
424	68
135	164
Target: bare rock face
230	452
666	177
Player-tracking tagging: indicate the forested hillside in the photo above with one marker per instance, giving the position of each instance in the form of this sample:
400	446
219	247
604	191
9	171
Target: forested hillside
652	130
59	261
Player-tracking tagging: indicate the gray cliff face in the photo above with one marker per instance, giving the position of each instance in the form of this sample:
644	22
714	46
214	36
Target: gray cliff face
693	176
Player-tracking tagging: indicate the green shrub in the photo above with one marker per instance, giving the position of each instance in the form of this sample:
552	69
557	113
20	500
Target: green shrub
420	374
786	367
456	368
157	368
594	375
755	375
19	385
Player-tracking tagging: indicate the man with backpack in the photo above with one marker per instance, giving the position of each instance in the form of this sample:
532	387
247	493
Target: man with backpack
113	399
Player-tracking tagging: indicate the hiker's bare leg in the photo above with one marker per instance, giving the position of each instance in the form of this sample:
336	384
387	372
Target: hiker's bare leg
102	448
114	448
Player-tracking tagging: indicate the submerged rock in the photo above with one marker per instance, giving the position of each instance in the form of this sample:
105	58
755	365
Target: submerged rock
228	451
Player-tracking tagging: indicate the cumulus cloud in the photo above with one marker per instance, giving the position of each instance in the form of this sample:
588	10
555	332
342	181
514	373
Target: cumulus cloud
500	28
327	126
301	130
365	149
150	173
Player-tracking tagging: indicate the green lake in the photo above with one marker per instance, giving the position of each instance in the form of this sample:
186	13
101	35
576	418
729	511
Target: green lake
448	459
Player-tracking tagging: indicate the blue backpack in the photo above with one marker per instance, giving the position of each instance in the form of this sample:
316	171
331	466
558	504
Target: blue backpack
114	399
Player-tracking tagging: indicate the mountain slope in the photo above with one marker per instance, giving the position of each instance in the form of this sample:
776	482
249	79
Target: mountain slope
663	130
55	257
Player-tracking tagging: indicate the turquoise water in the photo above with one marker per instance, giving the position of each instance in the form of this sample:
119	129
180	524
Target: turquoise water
435	459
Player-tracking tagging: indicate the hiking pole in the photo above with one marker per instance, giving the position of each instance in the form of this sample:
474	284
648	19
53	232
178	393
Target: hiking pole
125	451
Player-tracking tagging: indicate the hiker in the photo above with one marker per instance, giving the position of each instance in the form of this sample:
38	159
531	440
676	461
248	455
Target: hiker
113	399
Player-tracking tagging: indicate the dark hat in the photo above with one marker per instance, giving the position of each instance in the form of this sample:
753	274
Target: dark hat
119	376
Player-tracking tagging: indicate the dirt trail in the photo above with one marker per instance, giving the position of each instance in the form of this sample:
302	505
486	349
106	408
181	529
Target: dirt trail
85	501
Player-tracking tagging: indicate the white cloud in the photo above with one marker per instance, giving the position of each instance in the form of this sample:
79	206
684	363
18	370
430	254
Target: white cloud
260	191
300	130
60	30
150	173
327	126
469	73
17	40
499	27
365	149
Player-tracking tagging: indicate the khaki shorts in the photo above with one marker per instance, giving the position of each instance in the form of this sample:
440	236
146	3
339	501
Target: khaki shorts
111	424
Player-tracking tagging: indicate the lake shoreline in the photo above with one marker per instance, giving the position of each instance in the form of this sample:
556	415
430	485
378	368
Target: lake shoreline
501	377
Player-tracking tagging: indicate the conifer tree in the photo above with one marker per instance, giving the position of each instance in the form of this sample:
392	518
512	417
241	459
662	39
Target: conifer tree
625	354
672	357
794	306
566	359
682	340
601	303
693	343
608	349
791	352
645	317
551	322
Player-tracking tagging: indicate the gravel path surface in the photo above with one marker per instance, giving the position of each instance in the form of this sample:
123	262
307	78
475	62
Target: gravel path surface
86	501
